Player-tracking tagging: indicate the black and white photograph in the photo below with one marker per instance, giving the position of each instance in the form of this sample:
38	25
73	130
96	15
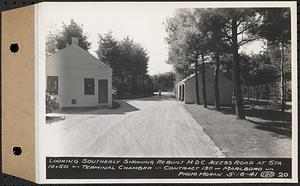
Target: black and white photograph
169	80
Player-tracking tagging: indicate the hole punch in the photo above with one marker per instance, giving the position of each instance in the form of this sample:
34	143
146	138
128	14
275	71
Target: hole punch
14	48
17	151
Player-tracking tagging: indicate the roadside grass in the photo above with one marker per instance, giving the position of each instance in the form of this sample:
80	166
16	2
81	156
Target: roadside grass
264	132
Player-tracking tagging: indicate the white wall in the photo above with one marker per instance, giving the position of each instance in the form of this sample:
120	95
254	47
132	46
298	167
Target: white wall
225	89
72	64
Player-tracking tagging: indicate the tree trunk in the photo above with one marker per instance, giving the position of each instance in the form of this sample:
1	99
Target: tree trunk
196	81
216	81
203	82
239	110
248	95
268	92
253	96
257	93
282	79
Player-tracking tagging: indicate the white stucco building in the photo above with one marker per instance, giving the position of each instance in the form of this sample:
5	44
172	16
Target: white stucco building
78	79
186	88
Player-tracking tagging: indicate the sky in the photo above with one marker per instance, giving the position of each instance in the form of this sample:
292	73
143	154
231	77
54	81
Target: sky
144	24
140	21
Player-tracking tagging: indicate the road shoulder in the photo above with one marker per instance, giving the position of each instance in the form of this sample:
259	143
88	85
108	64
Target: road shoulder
241	138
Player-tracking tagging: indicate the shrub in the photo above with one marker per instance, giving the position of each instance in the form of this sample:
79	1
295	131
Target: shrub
52	104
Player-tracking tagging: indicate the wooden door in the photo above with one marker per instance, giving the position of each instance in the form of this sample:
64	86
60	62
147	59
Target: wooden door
102	91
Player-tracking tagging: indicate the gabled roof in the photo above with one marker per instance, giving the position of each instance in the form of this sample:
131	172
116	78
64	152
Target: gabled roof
187	78
73	54
209	74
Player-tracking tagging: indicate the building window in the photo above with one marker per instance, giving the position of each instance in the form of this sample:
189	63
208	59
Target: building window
52	85
89	86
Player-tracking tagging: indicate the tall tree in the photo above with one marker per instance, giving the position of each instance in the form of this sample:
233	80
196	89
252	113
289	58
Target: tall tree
129	61
187	42
240	28
212	24
109	52
199	22
61	39
276	28
163	81
107	48
257	71
203	81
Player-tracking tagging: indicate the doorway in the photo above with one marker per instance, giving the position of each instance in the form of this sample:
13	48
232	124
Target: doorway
102	91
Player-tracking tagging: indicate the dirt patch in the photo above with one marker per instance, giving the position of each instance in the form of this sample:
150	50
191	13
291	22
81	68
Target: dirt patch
262	134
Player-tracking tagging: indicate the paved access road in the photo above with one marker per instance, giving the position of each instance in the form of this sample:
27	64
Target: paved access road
154	126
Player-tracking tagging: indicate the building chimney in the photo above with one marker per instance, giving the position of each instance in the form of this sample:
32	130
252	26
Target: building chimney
75	40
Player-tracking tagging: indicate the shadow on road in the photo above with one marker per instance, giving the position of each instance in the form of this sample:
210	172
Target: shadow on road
281	128
156	97
267	119
241	138
266	114
124	107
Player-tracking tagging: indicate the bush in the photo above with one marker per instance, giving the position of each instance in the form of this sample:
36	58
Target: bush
52	104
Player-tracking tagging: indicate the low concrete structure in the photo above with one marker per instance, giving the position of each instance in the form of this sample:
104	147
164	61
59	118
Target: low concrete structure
78	79
186	91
